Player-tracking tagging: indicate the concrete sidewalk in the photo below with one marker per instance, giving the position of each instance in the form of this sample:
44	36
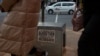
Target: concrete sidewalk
71	44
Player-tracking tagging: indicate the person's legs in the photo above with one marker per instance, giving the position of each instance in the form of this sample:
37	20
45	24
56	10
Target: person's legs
88	44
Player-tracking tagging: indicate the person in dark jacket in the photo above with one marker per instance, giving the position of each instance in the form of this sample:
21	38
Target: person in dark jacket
89	42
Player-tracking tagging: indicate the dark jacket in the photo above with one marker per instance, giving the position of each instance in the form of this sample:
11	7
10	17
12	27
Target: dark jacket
90	7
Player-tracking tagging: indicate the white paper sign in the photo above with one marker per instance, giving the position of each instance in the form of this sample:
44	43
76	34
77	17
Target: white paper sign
46	35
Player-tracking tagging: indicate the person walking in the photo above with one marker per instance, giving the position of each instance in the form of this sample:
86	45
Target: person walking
18	31
89	42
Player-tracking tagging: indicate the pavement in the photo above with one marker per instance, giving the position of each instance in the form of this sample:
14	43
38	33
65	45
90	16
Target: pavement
71	44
